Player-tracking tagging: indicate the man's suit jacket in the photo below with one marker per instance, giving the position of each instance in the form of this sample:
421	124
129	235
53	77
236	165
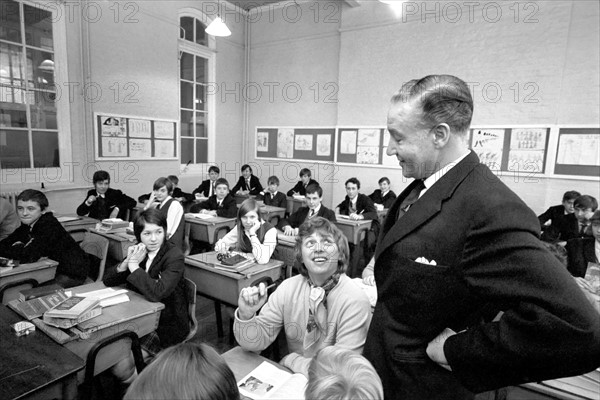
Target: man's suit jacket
363	203
300	188
203	189
580	253
255	186
386	200
163	282
296	219
551	214
102	209
484	241
227	209
280	199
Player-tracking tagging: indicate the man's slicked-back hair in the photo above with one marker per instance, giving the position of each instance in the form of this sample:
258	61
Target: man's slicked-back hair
442	99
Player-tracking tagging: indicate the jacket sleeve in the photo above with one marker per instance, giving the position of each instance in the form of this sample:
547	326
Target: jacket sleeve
329	215
114	278
295	189
257	187
367	207
545	216
237	186
125	202
168	278
548	328
229	209
83	208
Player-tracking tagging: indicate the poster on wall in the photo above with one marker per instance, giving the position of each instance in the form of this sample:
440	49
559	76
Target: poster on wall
262	141
578	149
113	126
114	147
488	144
164	148
304	142
323	145
368	137
164	130
140	148
367	155
285	143
527	149
348	142
140	128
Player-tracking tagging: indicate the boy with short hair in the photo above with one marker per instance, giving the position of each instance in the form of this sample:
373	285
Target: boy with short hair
576	225
356	205
178	194
248	184
551	215
220	204
104	202
208	186
271	197
383	196
303	183
313	208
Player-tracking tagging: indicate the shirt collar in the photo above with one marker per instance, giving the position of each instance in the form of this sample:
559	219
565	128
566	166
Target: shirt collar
431	180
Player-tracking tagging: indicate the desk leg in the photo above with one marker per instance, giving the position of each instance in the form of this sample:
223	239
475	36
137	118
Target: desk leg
186	239
219	318
69	389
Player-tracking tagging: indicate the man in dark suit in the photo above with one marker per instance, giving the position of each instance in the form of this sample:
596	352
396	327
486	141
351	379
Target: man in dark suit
248	184
576	225
305	180
582	251
208	186
313	208
468	244
103	202
555	212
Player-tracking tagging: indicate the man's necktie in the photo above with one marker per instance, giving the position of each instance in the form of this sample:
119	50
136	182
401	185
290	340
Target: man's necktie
211	191
312	214
582	228
411	198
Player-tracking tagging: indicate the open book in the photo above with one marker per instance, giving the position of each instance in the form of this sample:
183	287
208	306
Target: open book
269	382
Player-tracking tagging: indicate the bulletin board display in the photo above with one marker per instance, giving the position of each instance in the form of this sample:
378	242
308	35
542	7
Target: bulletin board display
578	152
522	150
364	145
119	137
287	143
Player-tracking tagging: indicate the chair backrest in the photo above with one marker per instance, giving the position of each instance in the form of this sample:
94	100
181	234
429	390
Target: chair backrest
97	246
190	292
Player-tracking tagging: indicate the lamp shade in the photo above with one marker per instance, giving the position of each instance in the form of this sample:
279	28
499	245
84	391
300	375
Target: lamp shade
218	28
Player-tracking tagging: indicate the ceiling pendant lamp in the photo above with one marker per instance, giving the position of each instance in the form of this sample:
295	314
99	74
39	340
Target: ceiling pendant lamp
218	28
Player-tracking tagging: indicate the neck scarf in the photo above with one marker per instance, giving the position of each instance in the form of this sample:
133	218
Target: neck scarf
317	311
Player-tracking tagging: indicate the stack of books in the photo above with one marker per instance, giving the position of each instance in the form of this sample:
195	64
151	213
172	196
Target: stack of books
73	311
234	263
112	225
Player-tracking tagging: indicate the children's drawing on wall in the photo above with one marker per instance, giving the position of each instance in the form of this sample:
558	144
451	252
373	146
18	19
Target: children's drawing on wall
285	143
140	128
348	142
262	141
367	155
164	130
140	148
488	145
304	142
164	149
114	147
578	149
368	137
113	126
527	148
323	145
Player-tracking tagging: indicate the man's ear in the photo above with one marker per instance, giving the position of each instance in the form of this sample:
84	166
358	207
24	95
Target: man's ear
441	134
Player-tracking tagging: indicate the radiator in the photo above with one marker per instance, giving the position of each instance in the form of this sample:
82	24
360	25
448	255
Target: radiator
11	197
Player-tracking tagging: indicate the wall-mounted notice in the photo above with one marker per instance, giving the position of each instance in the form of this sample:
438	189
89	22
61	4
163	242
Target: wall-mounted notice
306	143
285	143
578	152
488	144
122	137
527	149
262	141
324	145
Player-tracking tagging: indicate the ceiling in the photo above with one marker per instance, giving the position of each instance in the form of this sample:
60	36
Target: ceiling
250	4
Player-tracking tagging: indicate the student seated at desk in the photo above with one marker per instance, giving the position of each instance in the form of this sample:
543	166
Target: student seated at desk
220	204
178	194
186	371
161	199
383	196
104	202
248	184
271	197
576	225
41	235
208	187
356	205
303	183
341	374
252	234
9	221
554	213
320	307
313	208
582	251
153	268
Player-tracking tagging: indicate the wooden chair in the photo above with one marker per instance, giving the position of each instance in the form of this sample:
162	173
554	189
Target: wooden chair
190	291
97	246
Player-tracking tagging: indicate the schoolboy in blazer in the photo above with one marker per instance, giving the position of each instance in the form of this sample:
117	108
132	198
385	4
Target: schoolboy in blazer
305	180
220	204
104	202
364	209
387	199
208	186
248	184
314	198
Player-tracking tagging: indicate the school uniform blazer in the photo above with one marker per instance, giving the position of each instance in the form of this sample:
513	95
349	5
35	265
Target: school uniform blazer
163	282
47	238
112	198
580	253
363	202
551	214
280	199
565	228
203	189
296	219
300	188
177	193
386	200
255	186
227	209
484	241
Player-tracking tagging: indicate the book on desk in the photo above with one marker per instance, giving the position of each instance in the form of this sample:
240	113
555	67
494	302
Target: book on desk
270	382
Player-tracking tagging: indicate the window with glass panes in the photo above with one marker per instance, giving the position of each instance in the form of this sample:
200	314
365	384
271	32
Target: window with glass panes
194	109
28	112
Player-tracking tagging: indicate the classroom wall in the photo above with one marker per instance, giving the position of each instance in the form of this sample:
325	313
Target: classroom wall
537	67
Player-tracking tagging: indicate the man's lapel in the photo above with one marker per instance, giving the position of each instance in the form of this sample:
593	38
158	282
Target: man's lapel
426	207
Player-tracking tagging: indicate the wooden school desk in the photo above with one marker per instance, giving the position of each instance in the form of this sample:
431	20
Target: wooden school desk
76	225
34	366
270	213
138	315
225	286
285	251
118	243
293	204
205	230
353	230
242	362
42	271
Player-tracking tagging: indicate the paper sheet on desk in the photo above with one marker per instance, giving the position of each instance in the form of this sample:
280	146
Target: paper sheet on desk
269	382
108	296
201	216
67	219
